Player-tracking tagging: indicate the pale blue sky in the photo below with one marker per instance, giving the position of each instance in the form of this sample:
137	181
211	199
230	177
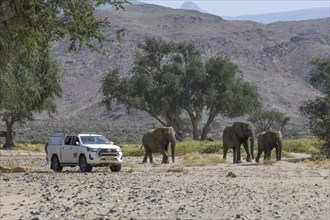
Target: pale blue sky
245	7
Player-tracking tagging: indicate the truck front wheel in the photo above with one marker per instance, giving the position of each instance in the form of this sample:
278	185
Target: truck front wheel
83	165
115	168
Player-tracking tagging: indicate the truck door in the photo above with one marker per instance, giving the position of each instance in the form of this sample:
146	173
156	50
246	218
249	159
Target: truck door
74	150
67	150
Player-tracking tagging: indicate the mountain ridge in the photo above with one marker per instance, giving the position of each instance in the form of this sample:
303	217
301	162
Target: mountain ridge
296	15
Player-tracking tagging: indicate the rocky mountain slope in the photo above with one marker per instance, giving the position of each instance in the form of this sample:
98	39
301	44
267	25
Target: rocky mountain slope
274	57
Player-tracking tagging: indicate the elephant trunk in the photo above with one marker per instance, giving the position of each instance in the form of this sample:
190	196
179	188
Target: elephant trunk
280	142
173	151
252	147
279	156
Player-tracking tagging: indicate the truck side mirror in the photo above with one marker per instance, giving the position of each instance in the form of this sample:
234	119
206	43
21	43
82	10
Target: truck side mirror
77	143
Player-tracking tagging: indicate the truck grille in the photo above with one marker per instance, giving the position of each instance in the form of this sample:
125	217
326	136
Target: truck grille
107	152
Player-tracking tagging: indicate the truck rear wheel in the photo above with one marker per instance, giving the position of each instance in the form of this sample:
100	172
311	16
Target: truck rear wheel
55	164
83	165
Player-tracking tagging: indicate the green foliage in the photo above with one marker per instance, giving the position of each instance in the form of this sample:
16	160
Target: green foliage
320	77
197	159
264	120
182	148
203	147
305	145
29	75
132	150
30	147
318	111
169	79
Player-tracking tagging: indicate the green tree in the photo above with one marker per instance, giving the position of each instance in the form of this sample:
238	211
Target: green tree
169	79
264	120
318	111
44	83
226	93
29	77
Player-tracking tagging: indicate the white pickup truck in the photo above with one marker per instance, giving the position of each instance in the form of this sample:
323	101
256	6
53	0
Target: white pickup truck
85	150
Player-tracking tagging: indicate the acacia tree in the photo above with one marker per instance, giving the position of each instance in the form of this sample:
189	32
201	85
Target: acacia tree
169	79
29	77
264	120
226	93
318	111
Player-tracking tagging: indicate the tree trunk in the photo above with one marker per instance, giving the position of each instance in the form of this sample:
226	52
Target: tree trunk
194	123
194	129
207	126
10	133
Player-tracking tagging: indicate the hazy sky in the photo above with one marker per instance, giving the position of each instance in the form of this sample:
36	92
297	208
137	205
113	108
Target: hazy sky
245	7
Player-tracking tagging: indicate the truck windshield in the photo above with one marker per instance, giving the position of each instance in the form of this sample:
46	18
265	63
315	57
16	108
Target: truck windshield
94	140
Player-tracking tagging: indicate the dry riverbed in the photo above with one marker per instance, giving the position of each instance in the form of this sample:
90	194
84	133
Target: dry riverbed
287	189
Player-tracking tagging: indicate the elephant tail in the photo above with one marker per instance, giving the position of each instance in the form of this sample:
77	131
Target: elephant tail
141	147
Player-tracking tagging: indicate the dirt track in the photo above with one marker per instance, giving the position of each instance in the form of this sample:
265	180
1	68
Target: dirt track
284	190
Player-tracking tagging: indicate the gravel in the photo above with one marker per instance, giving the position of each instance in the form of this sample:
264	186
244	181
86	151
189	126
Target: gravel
284	190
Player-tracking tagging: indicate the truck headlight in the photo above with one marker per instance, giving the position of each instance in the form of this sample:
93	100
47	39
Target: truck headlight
89	149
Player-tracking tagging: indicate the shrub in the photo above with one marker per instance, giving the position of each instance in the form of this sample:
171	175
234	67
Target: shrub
204	147
30	147
197	159
304	145
132	150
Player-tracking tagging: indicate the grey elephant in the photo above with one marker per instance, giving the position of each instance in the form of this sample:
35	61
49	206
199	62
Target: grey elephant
157	141
235	135
267	141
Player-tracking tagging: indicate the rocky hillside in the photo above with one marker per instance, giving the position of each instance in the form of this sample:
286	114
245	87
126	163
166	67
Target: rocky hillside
274	57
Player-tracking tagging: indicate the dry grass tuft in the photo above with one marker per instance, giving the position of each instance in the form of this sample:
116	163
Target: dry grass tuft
198	159
178	170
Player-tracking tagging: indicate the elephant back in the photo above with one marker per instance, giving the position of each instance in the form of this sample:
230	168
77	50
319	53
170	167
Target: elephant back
261	137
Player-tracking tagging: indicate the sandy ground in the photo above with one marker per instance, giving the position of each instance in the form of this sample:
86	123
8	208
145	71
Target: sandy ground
288	189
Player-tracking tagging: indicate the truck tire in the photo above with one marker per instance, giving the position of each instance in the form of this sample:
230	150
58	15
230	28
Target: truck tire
115	168
55	164
83	165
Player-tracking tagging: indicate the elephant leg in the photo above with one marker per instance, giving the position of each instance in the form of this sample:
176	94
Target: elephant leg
258	155
234	155
239	154
277	153
268	154
225	149
150	157
246	148
146	153
165	156
165	159
265	153
166	148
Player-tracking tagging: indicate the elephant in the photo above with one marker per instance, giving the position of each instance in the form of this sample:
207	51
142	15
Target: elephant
267	141
235	135
157	141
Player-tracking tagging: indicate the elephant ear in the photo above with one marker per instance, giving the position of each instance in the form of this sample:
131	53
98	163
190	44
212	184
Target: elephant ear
277	136
171	135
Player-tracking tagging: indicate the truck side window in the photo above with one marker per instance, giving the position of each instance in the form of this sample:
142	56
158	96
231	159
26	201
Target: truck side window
75	140
68	140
